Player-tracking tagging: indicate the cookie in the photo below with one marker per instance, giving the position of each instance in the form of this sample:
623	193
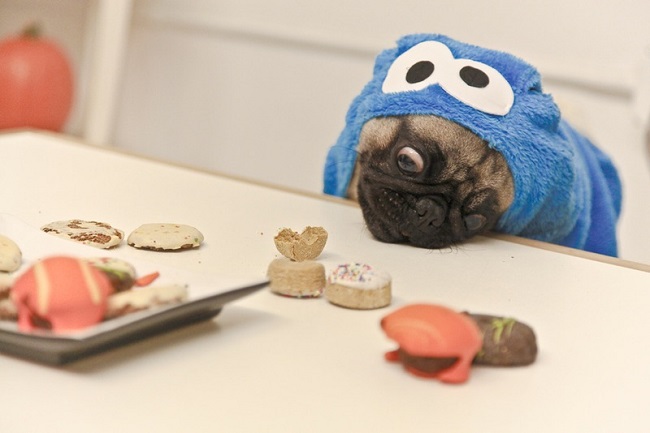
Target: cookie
10	255
93	233
8	310
437	342
358	286
165	237
301	246
304	279
60	293
120	272
143	298
6	281
506	342
434	341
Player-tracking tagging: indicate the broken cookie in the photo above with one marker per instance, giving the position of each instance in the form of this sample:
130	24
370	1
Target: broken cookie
301	246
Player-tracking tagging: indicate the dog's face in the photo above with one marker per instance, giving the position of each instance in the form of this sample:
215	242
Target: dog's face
428	181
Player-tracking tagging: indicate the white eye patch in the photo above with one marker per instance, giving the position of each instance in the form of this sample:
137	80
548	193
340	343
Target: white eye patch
474	83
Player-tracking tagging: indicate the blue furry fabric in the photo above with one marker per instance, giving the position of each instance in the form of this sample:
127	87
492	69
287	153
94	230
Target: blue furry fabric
566	190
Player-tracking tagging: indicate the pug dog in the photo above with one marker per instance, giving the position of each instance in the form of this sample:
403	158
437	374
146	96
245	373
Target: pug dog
449	140
428	181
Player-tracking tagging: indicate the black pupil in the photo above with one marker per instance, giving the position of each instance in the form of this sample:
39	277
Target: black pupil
474	77
406	164
419	72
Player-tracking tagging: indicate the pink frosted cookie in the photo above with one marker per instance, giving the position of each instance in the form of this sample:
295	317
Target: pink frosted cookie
440	343
434	341
358	286
60	293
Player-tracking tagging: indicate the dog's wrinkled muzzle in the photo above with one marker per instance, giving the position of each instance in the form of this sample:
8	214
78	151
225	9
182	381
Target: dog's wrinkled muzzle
430	212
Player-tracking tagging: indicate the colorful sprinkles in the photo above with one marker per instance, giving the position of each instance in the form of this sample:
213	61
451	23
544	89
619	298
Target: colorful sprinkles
357	272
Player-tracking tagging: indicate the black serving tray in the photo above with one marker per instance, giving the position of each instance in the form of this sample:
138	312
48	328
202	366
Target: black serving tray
54	349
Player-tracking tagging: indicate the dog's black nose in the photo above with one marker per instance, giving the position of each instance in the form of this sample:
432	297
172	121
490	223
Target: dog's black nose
431	210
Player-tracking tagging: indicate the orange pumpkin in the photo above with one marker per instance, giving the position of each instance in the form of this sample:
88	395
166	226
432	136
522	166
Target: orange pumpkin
36	83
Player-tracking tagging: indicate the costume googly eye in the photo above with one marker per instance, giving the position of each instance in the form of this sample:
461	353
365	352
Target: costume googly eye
478	85
417	67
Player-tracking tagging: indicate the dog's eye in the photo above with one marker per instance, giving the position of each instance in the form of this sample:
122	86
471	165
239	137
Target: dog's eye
409	161
474	222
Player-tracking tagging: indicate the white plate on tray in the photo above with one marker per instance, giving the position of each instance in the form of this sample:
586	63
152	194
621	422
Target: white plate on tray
206	298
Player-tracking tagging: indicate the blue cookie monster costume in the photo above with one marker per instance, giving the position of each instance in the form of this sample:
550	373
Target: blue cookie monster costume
567	191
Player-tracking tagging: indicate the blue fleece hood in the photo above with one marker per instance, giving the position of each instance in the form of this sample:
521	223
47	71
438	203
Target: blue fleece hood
566	190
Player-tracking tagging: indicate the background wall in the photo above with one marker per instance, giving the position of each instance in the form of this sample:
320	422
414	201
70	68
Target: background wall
259	88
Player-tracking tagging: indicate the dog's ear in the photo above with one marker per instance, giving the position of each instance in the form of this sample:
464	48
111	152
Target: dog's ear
352	192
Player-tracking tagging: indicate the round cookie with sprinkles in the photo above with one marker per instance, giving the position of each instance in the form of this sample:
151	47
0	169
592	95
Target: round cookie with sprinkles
165	237
358	286
93	233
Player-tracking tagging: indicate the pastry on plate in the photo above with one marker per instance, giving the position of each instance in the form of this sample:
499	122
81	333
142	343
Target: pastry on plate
8	309
143	298
10	255
93	233
120	272
60	293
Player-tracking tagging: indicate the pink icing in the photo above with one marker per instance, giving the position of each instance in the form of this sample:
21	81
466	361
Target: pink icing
61	293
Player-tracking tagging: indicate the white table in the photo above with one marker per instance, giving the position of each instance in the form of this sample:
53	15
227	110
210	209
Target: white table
269	363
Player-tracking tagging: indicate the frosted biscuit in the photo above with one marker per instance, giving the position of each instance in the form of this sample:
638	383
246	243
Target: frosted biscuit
143	298
120	272
93	233
165	237
6	281
8	310
358	286
10	255
304	279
